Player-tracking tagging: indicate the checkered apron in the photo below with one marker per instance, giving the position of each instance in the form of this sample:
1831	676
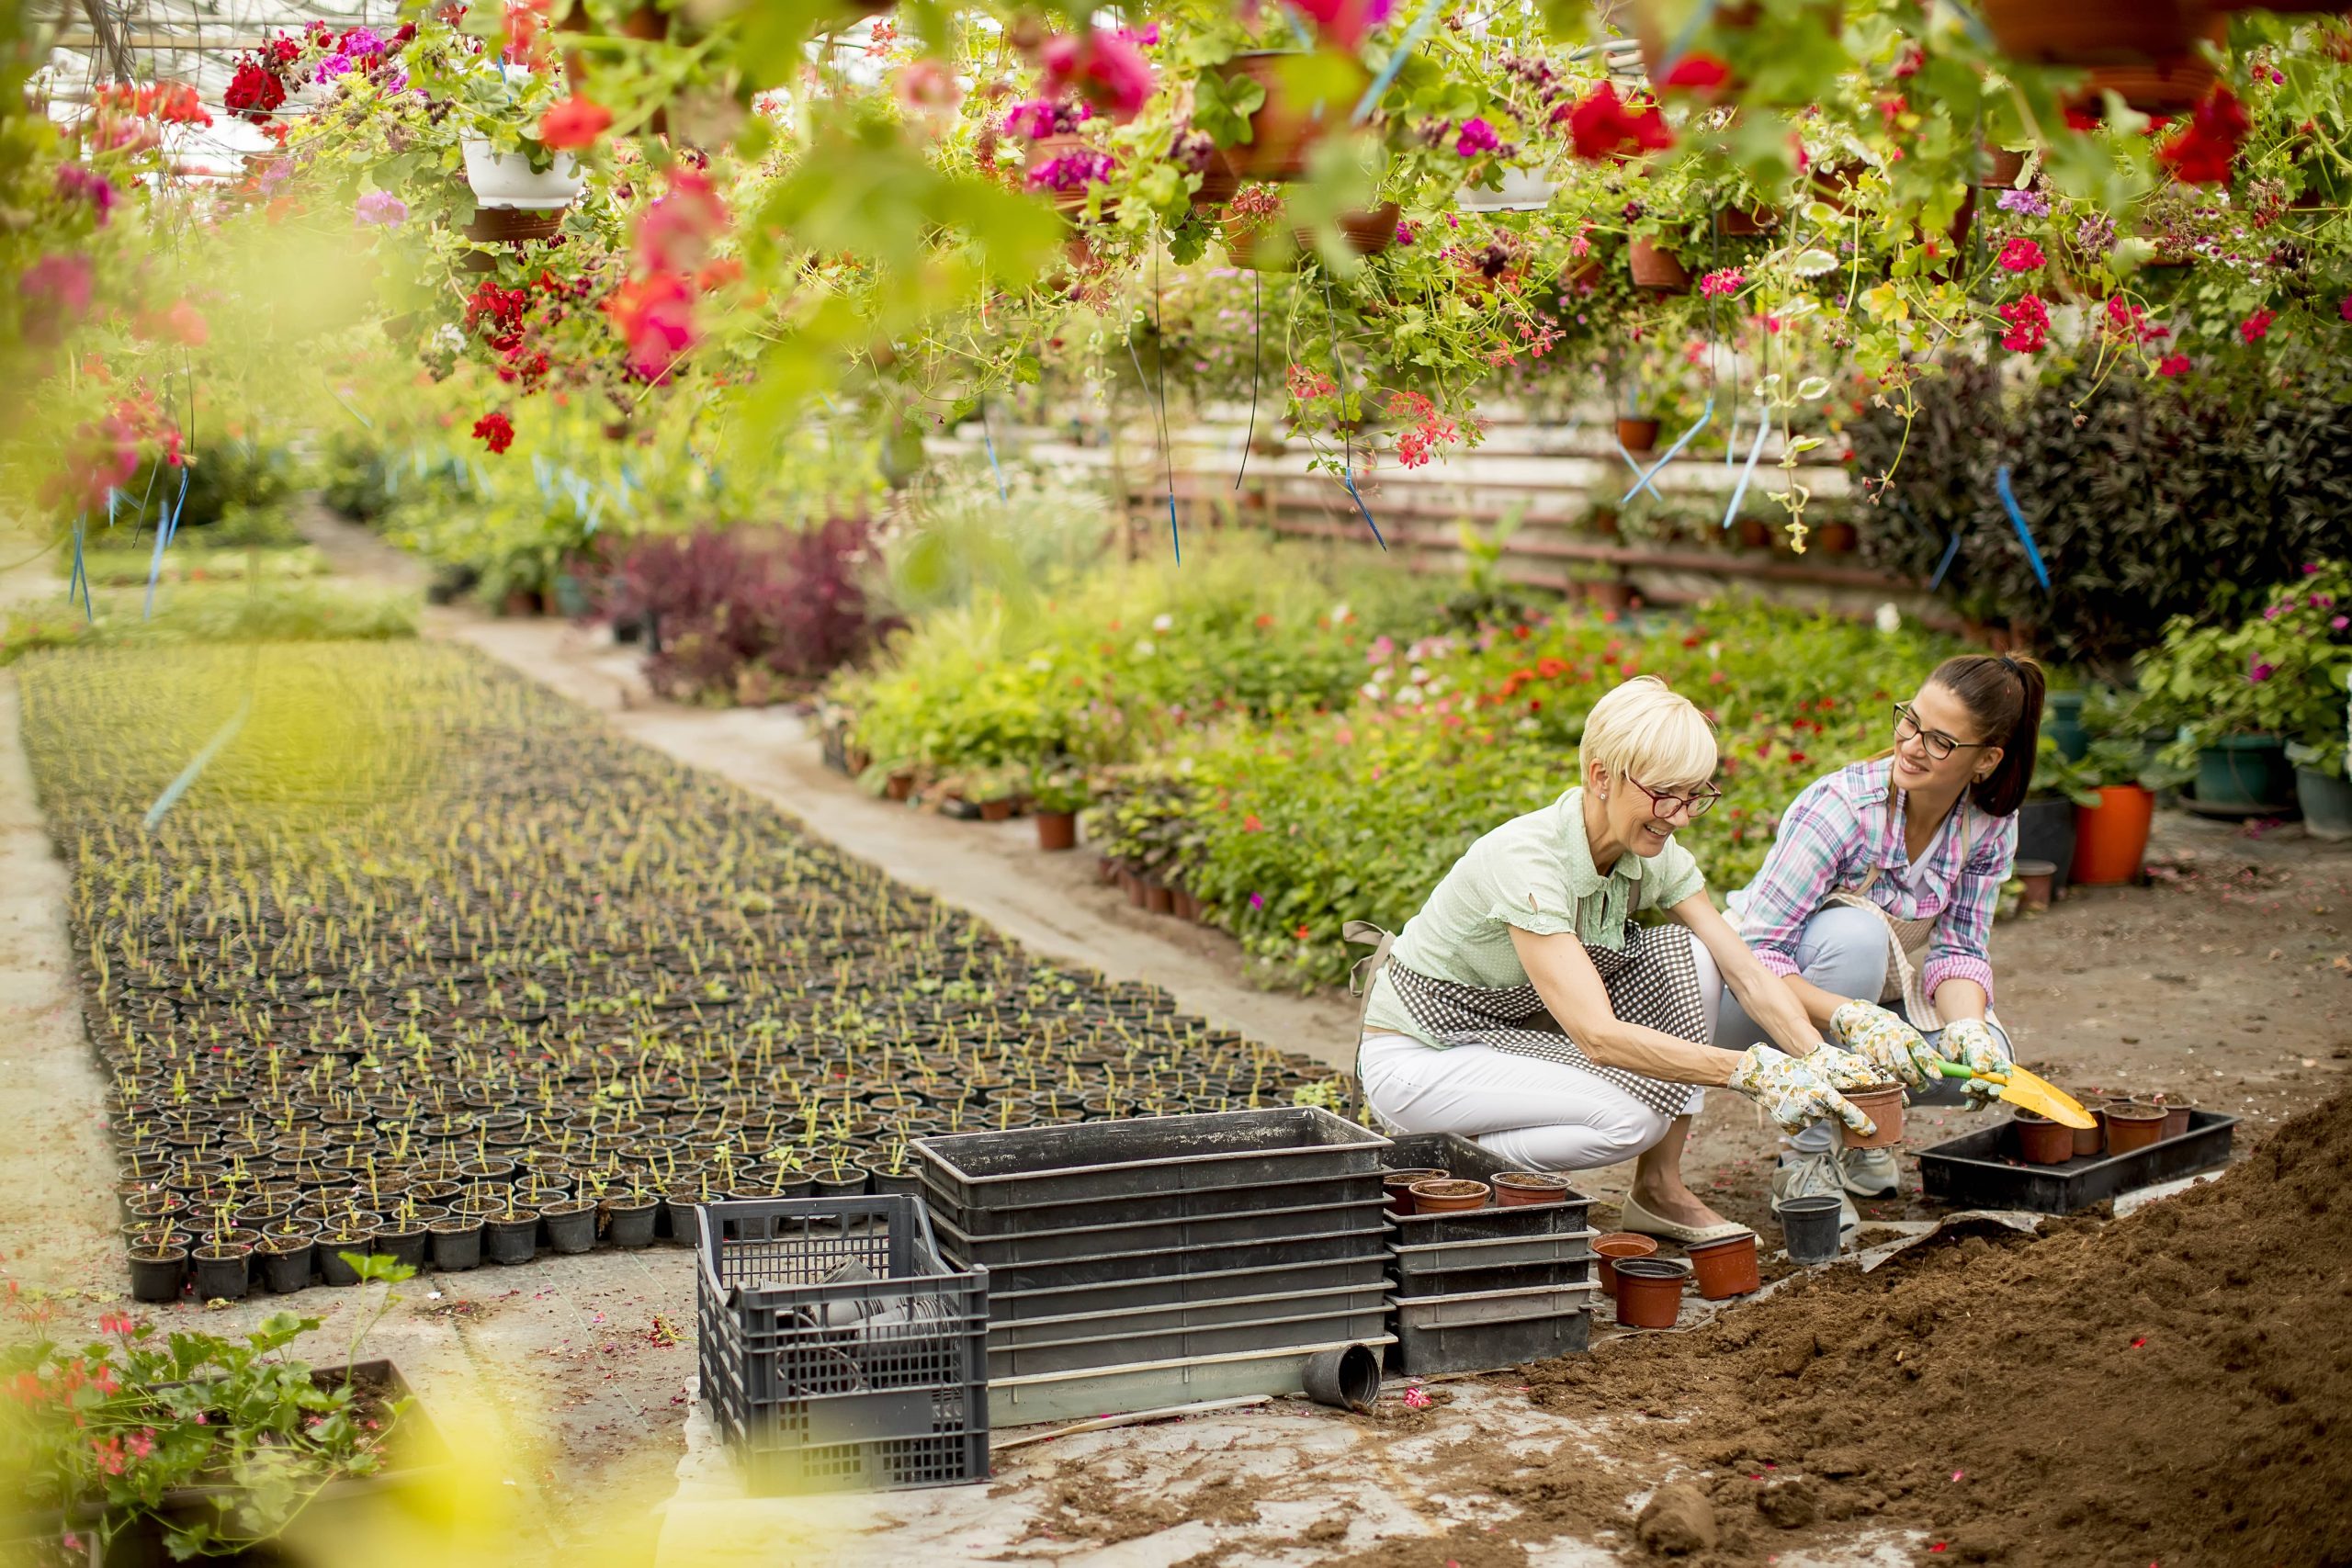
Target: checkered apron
1652	980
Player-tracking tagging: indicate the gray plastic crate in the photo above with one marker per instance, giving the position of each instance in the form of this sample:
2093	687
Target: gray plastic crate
1368	1271
1142	1155
1364	1241
1416	1151
1213	1313
1186	1203
837	1351
1335	1321
1104	1391
1489	1347
1511	1263
1182	1234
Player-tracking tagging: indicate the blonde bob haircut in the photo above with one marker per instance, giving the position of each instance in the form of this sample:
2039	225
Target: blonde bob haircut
1642	730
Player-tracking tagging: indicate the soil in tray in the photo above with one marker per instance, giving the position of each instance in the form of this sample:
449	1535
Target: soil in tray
2181	1394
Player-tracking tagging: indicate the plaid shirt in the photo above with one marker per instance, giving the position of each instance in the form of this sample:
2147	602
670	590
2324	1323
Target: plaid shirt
1836	830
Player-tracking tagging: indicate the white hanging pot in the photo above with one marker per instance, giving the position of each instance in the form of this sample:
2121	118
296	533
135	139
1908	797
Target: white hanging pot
1523	190
507	179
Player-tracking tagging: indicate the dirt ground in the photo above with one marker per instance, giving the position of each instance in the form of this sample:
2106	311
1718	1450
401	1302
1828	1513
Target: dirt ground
2227	980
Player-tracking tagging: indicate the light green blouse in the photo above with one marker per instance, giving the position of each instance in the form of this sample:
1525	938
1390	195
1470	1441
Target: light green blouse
1535	872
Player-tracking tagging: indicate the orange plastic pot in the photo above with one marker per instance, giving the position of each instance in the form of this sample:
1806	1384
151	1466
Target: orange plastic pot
1396	1186
1883	1103
1725	1267
1514	1188
1448	1195
1649	1293
2132	1125
1616	1247
2042	1141
2111	838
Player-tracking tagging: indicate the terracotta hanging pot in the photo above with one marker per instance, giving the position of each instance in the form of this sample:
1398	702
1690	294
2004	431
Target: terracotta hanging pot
1746	223
1368	231
1280	131
1638	435
1655	268
2093	33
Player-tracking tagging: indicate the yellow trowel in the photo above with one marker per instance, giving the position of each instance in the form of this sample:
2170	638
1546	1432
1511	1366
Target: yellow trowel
2022	1090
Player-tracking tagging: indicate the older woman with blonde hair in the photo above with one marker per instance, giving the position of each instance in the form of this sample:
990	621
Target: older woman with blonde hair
1523	1007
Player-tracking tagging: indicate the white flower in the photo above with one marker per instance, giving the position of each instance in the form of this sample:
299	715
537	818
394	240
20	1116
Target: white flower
1041	664
1371	691
1338	612
1419	675
1163	623
1144	648
1528	727
1889	618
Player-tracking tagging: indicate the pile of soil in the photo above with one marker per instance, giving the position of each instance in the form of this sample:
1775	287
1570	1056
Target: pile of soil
2172	1388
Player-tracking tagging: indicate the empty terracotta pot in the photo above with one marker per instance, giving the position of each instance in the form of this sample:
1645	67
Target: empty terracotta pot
2176	1118
2091	1141
1396	1186
1515	1188
1883	1103
1649	1291
2042	1141
1449	1195
2132	1125
1725	1267
1619	1244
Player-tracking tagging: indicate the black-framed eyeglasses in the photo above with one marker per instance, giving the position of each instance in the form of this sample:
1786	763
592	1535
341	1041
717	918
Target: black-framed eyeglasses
1939	745
1697	803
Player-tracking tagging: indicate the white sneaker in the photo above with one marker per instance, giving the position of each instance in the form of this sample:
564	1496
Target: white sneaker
1808	1176
1869	1173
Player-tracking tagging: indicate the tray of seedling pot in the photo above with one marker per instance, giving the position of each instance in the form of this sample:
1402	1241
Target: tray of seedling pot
1462	1267
1462	1160
1987	1169
1201	1236
1094	1167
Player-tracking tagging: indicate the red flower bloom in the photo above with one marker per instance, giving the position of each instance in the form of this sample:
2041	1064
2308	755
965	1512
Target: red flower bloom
1697	71
1105	69
1601	127
1345	22
655	315
2021	254
678	229
2256	325
574	123
2173	364
2028	322
2203	151
495	431
253	92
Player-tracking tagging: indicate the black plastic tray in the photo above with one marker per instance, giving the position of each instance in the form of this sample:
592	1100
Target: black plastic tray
1188	1203
1168	1262
1147	1155
1983	1169
1348	1273
1186	1344
1218	1230
1433	1351
1419	1150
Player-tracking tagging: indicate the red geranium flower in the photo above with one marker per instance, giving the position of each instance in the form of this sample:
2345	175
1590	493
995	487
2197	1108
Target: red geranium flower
574	123
2256	325
2021	254
1697	71
2173	364
1602	127
253	92
495	431
2028	322
2203	151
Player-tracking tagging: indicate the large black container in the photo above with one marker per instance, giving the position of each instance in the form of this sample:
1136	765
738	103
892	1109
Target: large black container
1985	1170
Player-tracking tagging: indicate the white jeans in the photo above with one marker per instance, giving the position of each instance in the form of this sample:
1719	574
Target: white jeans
1544	1115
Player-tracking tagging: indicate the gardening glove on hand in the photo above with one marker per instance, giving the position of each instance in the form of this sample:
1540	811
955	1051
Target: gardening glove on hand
1791	1093
1844	1069
1899	1050
1975	1043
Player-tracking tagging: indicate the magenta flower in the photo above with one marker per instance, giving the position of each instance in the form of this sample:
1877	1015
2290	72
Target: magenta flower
332	66
1107	69
56	291
75	183
2344	309
1476	136
2257	673
2340	622
2021	254
380	207
1257	900
2173	364
1723	281
1071	171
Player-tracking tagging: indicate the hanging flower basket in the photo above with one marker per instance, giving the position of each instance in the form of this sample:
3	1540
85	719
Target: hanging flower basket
507	179
2095	32
1280	131
1369	231
1747	223
1655	268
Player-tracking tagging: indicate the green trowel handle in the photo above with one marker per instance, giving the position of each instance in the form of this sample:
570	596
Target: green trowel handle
1962	1070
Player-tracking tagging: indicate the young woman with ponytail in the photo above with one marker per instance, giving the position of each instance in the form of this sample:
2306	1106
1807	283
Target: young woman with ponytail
1876	899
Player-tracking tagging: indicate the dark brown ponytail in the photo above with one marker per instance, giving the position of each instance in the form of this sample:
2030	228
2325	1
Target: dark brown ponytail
2003	695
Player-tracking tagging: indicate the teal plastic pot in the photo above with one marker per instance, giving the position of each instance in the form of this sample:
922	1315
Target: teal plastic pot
2243	775
2326	800
2062	715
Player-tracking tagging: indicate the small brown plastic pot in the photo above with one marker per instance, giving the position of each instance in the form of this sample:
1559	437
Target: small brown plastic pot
2175	1117
2132	1125
1883	1103
2091	1141
1725	1267
1617	1244
1649	1291
1449	1195
1396	1186
1514	1188
2041	1140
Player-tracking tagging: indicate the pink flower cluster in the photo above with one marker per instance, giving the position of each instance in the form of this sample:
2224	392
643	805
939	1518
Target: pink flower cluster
2029	320
1723	281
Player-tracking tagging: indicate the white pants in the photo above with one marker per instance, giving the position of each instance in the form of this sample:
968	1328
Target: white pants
1544	1115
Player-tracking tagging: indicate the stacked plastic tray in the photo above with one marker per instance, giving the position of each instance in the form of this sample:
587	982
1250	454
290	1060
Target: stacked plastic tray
1160	1260
1490	1288
837	1350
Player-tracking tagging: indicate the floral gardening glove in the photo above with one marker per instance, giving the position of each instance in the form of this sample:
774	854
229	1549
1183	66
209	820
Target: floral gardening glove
1843	1069
1899	1049
1790	1092
1975	1043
